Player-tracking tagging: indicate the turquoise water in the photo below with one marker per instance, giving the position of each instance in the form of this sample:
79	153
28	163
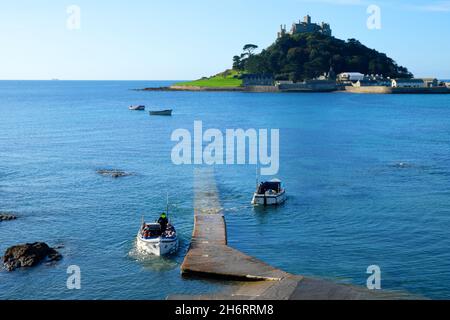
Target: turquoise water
367	178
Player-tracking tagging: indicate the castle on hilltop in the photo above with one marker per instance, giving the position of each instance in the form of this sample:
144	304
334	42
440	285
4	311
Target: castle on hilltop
306	26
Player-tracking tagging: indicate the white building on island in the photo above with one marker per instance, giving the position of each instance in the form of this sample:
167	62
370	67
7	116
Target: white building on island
350	76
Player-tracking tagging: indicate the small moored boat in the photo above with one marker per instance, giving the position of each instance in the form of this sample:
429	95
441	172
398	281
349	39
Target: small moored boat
136	108
269	193
161	113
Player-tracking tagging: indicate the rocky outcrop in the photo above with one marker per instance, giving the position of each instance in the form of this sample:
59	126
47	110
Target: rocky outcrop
209	89
7	216
29	255
195	88
114	173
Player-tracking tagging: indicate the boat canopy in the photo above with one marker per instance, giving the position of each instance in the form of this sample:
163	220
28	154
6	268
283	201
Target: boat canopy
153	226
270	185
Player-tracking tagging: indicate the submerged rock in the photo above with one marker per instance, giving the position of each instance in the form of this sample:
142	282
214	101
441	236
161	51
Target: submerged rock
7	216
402	165
29	255
114	173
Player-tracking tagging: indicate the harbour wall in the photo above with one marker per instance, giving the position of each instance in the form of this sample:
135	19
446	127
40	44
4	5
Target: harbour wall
262	89
391	90
369	89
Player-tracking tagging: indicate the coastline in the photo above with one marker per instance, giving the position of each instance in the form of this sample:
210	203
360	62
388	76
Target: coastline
275	89
195	88
391	90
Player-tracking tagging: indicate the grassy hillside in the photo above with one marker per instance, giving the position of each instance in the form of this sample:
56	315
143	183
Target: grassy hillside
229	78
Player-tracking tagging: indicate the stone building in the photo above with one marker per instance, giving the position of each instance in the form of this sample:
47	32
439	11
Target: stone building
431	82
257	80
306	26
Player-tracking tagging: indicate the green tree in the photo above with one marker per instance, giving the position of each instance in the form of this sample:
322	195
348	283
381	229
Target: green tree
237	63
303	56
249	49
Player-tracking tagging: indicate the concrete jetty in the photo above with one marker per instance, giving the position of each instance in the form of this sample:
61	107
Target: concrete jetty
209	256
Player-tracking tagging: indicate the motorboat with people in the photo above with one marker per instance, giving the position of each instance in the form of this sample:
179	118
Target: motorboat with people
154	240
137	108
269	193
161	113
158	238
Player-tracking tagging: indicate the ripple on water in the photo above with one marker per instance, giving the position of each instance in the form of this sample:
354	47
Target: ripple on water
151	262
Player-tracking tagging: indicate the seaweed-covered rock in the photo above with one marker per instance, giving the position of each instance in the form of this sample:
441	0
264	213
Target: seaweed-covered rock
29	255
113	173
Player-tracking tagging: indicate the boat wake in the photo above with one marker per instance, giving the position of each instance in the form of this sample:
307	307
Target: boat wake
151	262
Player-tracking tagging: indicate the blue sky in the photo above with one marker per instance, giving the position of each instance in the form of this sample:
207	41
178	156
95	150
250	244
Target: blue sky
179	39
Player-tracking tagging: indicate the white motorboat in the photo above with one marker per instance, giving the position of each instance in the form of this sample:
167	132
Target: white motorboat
158	238
152	240
136	108
269	193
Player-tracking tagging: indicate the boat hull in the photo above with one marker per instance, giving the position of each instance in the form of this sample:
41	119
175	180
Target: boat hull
161	113
158	246
137	108
269	199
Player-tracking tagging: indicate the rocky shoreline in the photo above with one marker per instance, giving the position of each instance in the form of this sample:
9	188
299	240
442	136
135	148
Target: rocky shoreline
196	89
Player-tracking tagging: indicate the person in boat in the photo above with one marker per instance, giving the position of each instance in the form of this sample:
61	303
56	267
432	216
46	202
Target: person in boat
146	232
163	222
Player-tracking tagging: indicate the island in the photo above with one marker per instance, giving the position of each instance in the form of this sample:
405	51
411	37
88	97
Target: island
309	59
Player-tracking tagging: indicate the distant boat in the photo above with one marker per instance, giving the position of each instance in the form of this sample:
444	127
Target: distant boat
161	113
137	108
269	193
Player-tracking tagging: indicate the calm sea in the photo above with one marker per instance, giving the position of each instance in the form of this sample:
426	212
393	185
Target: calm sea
367	178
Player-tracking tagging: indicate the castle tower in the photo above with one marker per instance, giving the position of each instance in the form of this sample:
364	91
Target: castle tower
326	29
306	26
282	31
307	19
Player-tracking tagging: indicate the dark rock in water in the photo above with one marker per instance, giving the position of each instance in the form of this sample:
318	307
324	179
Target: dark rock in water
114	173
7	216
403	165
29	255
